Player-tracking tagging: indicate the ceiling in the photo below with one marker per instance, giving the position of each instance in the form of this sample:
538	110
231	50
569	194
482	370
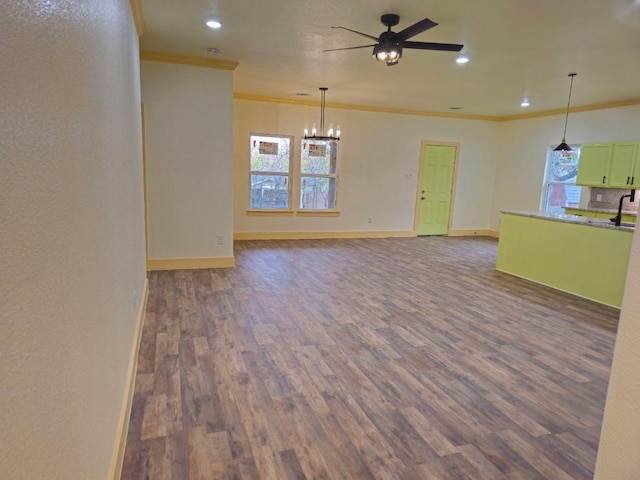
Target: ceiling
517	48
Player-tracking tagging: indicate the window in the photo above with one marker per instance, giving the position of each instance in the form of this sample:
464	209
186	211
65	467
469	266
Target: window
318	174
270	172
560	189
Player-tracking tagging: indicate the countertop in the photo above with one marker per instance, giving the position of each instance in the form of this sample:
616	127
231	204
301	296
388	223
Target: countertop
612	211
563	217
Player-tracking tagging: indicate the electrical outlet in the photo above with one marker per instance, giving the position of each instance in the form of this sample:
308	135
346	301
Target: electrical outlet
370	220
408	176
220	239
599	197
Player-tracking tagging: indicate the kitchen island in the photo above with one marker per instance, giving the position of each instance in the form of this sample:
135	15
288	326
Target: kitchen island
584	256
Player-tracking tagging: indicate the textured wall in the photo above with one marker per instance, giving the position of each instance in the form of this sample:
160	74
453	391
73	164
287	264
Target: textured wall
618	457
71	232
377	151
188	121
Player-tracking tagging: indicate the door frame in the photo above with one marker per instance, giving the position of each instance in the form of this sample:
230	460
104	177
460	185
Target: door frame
423	146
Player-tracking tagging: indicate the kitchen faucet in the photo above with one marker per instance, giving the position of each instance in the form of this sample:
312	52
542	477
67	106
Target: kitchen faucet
631	196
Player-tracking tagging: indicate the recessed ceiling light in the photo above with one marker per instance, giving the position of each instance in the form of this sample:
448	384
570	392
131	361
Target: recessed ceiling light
213	51
462	59
455	108
525	103
214	24
302	94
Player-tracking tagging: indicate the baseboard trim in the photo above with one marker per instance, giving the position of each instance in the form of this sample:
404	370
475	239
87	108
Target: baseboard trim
559	289
189	263
117	460
319	235
494	233
470	233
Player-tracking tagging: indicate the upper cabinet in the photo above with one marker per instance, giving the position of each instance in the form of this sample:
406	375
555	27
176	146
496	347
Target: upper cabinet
623	157
615	165
635	174
594	164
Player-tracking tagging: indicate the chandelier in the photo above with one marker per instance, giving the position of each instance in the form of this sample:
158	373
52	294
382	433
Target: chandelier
320	135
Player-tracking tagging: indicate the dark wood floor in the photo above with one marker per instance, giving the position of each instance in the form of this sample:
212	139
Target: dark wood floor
381	358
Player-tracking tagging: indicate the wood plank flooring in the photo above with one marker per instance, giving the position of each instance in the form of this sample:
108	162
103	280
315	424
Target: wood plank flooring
367	359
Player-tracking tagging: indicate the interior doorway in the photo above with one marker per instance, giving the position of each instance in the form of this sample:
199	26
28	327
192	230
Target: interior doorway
434	203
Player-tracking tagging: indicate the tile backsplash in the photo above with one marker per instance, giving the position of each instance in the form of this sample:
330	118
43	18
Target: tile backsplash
608	198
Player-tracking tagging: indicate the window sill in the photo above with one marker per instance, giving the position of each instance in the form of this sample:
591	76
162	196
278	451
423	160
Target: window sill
270	213
318	213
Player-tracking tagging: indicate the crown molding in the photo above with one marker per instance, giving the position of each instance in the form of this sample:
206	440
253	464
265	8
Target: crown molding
184	60
425	113
364	108
582	108
138	17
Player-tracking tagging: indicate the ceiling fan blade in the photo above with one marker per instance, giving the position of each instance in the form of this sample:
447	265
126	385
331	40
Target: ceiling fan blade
359	33
348	48
415	29
445	47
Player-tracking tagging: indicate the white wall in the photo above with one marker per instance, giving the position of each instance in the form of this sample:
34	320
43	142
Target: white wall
524	144
620	436
188	123
376	151
72	233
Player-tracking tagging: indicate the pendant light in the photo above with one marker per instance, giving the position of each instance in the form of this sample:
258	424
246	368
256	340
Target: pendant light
315	135
564	147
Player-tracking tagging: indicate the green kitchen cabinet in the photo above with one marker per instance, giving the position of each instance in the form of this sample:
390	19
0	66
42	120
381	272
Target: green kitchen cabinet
594	164
626	217
582	259
635	174
621	164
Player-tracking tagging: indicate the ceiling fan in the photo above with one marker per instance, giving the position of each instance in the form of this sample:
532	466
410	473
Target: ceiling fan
390	44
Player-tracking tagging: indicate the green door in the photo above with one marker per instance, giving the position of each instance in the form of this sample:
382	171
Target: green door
438	163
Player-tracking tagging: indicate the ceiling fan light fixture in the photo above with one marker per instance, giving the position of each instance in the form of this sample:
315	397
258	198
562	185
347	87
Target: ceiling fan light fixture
388	48
564	146
389	54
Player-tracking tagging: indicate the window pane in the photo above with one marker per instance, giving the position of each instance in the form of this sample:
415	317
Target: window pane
319	156
560	195
318	193
564	166
269	191
561	173
270	154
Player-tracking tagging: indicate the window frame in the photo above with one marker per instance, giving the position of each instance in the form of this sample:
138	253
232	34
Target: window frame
547	182
319	211
258	211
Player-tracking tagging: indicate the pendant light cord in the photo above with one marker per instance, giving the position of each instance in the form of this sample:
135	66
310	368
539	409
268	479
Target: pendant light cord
323	91
566	118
